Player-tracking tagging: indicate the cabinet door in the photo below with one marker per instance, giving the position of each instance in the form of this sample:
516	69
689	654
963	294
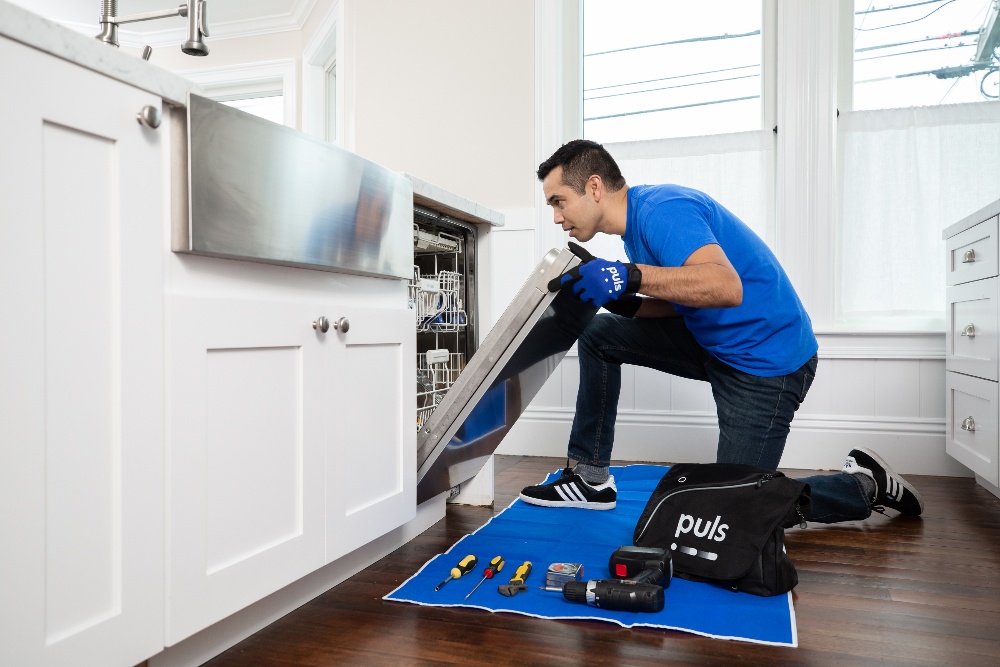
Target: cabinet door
245	459
972	426
972	339
371	439
81	367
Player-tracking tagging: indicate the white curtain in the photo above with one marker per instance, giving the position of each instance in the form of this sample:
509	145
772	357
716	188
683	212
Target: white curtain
737	170
906	174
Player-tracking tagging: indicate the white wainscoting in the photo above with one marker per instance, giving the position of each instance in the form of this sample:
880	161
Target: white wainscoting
880	391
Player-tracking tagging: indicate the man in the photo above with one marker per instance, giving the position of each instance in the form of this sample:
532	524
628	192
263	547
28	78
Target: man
716	307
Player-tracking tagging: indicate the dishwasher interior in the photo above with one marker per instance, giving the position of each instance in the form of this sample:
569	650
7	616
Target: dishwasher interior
442	291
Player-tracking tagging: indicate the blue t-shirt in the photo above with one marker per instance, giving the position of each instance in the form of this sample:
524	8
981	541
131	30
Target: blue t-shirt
770	333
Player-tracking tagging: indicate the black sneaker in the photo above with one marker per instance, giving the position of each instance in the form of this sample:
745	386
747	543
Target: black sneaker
571	490
891	490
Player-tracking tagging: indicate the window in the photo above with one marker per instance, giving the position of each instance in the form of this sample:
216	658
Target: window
924	52
270	107
918	151
265	89
654	69
676	91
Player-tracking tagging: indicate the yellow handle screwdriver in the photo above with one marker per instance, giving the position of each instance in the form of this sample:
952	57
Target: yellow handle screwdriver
495	566
464	566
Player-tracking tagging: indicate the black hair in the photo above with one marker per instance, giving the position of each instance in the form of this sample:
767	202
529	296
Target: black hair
581	159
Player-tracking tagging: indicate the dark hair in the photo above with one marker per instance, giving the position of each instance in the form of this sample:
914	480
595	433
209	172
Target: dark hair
581	159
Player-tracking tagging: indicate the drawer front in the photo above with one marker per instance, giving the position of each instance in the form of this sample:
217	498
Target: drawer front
972	254
971	424
972	341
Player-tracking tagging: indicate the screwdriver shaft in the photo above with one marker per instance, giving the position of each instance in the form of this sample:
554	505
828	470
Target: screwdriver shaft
477	586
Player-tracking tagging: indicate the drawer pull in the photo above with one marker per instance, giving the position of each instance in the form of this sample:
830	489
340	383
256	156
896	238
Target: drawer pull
968	424
970	331
970	257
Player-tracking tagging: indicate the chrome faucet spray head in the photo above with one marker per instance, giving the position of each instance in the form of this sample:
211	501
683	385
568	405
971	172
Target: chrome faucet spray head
109	28
197	17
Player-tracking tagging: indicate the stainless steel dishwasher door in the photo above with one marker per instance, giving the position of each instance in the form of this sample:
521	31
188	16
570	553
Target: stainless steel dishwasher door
514	361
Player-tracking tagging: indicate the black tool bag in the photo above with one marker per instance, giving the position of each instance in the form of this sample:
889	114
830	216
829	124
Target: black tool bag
725	523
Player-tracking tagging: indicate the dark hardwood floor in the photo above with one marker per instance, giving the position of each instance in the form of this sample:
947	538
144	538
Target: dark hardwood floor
899	591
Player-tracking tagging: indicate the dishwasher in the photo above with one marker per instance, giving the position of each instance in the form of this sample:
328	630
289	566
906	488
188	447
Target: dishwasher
467	404
442	291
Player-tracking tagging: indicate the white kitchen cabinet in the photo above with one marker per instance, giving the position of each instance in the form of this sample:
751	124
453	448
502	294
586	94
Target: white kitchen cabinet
176	440
286	448
245	455
82	195
973	344
371	441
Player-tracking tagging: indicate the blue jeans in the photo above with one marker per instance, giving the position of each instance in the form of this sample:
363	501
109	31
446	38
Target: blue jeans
754	413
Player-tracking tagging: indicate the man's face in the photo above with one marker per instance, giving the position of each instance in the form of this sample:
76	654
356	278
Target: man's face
575	213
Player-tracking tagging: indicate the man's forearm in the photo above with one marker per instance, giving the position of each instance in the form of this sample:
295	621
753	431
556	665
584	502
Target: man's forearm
707	285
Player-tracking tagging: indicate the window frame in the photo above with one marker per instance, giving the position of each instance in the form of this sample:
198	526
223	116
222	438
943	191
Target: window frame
259	79
328	48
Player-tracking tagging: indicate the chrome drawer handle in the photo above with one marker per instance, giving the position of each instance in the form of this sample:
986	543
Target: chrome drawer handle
970	331
968	424
321	324
970	257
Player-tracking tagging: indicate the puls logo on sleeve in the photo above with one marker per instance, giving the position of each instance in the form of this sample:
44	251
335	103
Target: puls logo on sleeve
616	279
704	528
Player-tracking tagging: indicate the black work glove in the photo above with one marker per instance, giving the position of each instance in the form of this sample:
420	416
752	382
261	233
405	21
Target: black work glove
602	283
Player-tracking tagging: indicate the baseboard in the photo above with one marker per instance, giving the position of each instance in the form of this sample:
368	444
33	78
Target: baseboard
815	443
210	642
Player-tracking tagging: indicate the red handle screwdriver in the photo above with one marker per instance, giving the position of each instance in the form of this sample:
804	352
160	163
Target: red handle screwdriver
495	566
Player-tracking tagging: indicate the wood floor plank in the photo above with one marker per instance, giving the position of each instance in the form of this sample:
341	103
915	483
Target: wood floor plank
884	591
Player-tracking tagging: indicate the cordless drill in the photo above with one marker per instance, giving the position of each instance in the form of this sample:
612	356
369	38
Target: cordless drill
615	594
639	573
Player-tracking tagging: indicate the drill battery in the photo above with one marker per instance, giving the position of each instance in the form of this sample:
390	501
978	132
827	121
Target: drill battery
642	564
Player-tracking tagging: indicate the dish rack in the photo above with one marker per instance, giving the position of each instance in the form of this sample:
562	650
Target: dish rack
437	371
435	293
438	301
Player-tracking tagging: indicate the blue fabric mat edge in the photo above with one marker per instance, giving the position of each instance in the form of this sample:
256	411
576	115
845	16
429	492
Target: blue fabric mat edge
714	612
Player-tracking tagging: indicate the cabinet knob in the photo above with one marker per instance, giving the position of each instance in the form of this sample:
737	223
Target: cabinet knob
970	256
322	324
970	331
149	116
968	424
342	325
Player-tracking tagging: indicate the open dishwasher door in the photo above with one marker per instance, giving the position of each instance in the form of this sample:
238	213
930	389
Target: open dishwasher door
501	378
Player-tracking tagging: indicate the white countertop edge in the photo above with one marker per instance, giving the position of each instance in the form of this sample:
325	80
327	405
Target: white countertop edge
450	200
32	30
968	221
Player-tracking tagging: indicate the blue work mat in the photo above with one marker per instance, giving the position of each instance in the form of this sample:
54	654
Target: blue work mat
545	535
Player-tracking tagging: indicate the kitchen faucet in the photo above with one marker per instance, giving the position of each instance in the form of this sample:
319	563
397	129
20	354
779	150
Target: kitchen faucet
195	11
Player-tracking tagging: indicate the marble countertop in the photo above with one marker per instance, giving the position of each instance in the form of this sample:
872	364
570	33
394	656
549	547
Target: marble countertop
441	200
28	28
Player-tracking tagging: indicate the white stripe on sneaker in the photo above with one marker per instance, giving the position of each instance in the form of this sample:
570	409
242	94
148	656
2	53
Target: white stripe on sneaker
562	493
893	488
574	490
